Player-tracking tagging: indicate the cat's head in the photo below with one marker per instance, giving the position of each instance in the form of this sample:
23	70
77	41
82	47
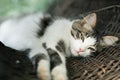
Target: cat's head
83	37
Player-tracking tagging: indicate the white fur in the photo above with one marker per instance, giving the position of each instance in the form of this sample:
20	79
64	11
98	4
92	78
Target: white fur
76	44
44	70
20	34
59	73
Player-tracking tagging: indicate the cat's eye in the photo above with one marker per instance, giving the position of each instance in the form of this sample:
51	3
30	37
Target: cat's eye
92	48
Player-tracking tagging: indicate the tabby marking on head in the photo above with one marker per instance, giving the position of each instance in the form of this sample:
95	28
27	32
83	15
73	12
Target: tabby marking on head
83	38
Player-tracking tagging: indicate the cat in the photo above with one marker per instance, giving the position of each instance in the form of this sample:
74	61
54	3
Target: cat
50	40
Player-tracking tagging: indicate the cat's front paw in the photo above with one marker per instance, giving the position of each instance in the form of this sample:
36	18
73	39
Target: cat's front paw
60	77
59	73
43	70
44	75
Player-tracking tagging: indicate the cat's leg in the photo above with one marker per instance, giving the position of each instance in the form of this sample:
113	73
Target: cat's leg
58	65
58	70
42	63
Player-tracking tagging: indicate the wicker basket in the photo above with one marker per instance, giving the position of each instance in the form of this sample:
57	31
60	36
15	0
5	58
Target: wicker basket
106	65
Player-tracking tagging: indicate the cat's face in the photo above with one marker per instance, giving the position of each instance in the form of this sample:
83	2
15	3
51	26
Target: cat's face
83	39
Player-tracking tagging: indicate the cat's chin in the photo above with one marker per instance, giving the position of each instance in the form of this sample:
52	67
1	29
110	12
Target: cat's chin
85	54
82	54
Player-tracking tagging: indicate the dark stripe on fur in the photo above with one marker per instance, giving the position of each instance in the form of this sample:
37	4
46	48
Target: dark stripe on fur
72	34
37	58
82	37
44	45
61	46
44	23
54	58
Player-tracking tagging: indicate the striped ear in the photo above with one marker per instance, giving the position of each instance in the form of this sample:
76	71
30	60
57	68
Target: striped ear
90	20
108	40
87	24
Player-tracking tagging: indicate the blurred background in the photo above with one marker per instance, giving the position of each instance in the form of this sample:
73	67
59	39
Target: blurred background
66	8
16	7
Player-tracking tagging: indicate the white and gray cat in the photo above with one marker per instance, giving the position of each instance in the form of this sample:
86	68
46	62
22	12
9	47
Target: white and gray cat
50	41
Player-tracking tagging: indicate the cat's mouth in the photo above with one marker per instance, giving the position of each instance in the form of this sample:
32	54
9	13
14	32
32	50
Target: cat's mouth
84	54
80	50
81	53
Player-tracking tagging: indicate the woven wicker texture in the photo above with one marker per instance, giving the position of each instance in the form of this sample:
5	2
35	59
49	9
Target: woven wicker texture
106	65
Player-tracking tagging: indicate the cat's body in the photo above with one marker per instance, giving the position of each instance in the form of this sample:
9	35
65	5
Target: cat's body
22	34
25	32
50	41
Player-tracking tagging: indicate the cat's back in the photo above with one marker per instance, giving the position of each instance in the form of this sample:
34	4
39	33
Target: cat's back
20	32
21	23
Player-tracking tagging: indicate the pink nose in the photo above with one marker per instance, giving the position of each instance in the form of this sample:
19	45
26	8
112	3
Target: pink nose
80	50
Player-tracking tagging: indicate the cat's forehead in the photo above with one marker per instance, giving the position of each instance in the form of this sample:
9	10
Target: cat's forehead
87	41
81	26
90	41
77	24
86	24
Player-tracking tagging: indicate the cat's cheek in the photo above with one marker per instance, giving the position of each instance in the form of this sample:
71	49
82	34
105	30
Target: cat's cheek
86	53
73	48
74	52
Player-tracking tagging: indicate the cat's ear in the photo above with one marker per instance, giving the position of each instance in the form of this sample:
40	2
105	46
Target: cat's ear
86	24
108	40
90	20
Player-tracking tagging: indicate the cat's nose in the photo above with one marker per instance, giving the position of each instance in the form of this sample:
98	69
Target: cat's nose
80	50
